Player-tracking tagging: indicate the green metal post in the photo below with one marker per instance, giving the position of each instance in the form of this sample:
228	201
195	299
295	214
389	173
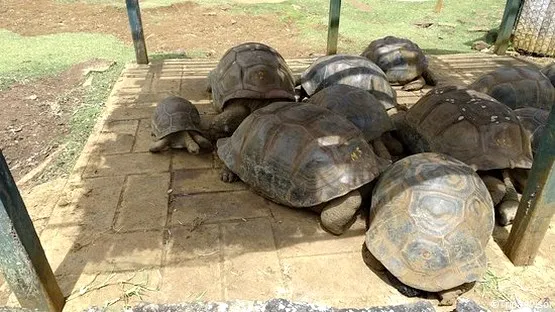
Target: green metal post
333	26
537	204
136	24
22	258
512	8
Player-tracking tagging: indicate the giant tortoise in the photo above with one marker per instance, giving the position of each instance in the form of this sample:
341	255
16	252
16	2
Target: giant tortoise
476	129
352	70
248	76
517	87
304	156
402	61
176	124
429	223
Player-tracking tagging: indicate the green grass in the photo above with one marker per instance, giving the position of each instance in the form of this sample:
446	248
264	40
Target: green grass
25	58
448	34
145	4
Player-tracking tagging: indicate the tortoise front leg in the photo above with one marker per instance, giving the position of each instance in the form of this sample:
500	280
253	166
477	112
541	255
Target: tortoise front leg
159	145
414	85
496	188
224	124
340	213
509	204
226	175
380	149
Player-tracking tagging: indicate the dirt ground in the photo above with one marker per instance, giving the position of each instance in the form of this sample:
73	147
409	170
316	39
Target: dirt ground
168	29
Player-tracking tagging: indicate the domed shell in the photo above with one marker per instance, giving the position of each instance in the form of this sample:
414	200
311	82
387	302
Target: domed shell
358	106
401	59
356	71
549	72
299	155
517	87
534	121
468	125
430	221
251	70
174	114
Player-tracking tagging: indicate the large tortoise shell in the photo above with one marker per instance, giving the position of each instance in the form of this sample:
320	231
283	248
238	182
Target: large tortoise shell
174	114
358	106
401	59
299	154
251	70
534	121
468	125
356	71
430	220
549	72
517	87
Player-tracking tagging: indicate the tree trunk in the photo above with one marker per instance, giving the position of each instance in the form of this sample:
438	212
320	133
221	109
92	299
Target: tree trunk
535	28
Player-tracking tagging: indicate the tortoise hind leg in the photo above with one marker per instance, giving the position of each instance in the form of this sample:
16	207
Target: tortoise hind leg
449	297
414	85
429	77
184	140
380	149
496	188
340	213
159	145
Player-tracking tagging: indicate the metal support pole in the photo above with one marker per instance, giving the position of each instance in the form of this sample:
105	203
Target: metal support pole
512	8
333	26
136	24
22	258
537	204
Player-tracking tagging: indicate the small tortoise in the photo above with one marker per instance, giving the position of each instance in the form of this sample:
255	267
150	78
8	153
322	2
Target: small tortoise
249	76
534	121
303	156
517	87
430	221
364	111
402	61
476	129
549	72
356	71
176	124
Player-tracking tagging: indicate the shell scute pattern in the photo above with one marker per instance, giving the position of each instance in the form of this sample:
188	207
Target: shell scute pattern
299	155
429	234
174	114
358	106
401	59
489	136
251	70
517	87
352	70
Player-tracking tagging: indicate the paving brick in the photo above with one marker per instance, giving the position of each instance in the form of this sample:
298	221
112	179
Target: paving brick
201	181
170	82
194	88
123	164
116	137
124	112
194	241
128	85
145	203
98	290
109	252
143	139
341	280
183	160
251	266
216	207
191	281
89	206
298	232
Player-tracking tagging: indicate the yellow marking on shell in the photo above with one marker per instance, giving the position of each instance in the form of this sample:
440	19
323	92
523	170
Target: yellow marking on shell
356	154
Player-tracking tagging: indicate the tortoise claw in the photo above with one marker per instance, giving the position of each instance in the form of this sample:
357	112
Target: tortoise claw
227	175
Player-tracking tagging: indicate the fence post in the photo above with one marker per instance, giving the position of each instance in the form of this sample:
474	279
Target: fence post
333	26
136	24
22	259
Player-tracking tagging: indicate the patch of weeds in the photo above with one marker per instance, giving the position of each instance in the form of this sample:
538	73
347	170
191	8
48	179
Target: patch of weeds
82	121
490	286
